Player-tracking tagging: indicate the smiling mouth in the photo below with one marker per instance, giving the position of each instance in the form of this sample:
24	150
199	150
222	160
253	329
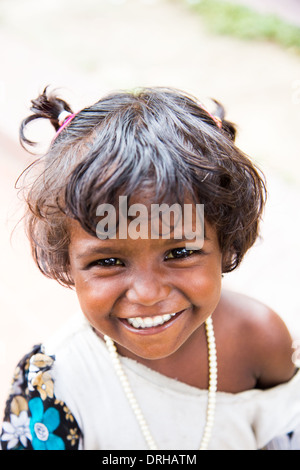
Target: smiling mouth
150	322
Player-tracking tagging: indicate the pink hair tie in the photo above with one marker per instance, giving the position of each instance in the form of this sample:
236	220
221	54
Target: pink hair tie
216	119
63	120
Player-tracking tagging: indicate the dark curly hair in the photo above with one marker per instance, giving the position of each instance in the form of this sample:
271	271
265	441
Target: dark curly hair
156	137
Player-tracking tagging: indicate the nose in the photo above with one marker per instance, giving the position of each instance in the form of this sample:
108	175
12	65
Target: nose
147	289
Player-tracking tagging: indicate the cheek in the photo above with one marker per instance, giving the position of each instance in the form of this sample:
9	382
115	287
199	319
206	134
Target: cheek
96	298
204	287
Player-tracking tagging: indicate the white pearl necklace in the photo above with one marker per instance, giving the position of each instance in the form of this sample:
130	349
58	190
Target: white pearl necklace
212	388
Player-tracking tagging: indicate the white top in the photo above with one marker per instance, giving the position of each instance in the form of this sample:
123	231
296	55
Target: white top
175	412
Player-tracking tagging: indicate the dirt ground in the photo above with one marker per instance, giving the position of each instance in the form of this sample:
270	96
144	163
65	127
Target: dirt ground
89	48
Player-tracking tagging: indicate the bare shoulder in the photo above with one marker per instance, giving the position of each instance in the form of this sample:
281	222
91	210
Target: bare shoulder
265	338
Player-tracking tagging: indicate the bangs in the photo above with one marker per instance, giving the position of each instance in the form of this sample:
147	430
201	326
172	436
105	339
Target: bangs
130	161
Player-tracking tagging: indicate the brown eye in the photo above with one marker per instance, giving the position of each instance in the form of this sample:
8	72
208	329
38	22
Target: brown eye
107	262
179	253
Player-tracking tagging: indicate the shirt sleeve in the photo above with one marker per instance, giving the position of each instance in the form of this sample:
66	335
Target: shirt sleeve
33	418
278	416
289	441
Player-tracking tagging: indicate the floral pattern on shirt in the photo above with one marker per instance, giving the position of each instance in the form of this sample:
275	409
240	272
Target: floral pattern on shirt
34	419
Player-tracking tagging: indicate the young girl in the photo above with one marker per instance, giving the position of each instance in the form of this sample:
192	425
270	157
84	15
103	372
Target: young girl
162	357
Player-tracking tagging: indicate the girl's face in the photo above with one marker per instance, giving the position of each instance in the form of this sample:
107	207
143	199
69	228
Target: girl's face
148	295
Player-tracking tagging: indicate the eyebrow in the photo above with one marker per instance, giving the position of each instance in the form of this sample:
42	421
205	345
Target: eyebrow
183	239
106	250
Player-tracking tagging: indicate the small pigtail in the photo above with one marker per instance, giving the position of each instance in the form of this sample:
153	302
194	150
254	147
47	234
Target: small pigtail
46	106
227	126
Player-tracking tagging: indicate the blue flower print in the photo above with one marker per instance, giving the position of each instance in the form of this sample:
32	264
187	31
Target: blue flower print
42	426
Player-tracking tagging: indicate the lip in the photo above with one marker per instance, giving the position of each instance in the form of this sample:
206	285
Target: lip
153	329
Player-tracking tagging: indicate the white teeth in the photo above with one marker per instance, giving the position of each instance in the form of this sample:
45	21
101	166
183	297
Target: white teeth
149	322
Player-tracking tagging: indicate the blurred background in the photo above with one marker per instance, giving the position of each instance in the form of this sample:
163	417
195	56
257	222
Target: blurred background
245	53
